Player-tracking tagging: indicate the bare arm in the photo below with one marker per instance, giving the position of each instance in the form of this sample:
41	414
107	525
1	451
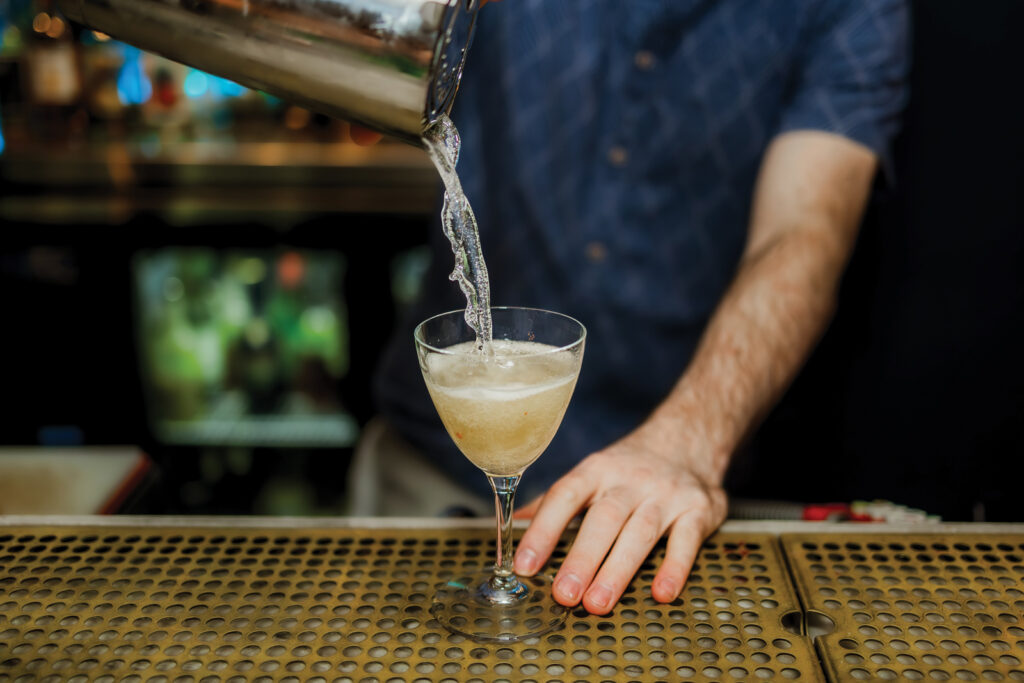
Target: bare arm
666	476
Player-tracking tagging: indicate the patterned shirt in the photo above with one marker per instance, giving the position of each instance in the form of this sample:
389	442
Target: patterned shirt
609	149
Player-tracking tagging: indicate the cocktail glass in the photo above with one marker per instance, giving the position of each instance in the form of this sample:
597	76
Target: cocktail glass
502	406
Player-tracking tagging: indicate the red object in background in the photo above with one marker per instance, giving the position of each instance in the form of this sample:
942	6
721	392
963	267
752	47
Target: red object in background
291	268
166	93
834	512
166	96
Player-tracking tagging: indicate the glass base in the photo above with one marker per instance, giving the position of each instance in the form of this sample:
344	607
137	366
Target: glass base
470	606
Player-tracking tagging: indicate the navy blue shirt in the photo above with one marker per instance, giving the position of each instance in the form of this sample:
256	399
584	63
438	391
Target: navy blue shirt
610	149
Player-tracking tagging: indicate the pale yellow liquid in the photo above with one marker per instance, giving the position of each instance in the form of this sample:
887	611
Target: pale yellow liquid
502	411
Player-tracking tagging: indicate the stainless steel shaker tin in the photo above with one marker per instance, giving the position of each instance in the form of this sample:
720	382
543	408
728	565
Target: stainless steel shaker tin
391	65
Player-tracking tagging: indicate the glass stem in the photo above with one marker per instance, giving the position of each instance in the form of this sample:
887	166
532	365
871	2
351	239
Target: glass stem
504	502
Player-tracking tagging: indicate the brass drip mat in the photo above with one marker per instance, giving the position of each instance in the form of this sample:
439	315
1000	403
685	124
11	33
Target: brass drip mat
915	607
201	605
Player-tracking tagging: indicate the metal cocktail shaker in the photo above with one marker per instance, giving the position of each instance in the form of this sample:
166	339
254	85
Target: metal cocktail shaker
391	65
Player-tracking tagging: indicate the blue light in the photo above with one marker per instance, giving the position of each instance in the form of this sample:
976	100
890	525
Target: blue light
61	435
196	84
133	86
226	88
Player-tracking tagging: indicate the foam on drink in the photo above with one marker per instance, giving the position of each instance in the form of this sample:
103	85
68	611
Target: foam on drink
502	410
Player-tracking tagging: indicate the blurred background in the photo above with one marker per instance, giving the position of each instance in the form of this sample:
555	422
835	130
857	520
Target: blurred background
198	279
193	269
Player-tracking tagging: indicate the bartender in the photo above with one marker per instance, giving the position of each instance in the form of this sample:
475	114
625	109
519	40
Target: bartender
686	178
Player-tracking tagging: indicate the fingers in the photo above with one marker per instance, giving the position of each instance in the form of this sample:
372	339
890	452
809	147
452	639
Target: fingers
688	532
636	540
684	543
619	531
600	527
560	504
640	533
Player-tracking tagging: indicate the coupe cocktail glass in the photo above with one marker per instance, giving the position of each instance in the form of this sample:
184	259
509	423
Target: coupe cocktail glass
502	405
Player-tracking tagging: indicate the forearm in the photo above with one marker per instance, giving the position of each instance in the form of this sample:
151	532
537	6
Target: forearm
778	305
762	331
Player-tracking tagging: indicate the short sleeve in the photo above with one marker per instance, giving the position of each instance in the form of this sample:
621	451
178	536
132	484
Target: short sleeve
853	77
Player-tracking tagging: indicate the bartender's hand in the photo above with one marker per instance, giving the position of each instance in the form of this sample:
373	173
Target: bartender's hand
638	489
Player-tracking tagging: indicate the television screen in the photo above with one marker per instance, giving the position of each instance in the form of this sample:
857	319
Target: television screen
243	347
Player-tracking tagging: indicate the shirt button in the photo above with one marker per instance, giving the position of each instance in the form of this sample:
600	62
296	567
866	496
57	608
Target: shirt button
596	252
644	60
617	155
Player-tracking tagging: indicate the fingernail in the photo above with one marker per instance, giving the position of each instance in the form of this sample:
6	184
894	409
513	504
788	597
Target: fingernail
569	586
668	588
526	560
600	595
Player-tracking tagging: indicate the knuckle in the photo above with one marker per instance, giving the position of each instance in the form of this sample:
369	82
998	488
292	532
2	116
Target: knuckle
594	461
673	568
708	521
700	498
568	488
649	534
643	472
720	503
613	504
650	517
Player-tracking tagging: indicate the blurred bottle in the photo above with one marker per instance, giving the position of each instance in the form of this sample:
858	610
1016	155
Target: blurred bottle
53	78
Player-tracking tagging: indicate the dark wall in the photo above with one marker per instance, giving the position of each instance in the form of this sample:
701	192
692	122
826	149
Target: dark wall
916	394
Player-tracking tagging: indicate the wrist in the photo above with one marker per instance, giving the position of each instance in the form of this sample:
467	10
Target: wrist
685	436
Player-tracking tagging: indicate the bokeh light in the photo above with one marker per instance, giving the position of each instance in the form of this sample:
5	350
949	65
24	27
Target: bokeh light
196	84
133	85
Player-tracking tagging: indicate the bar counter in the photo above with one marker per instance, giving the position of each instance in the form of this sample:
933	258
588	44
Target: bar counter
166	600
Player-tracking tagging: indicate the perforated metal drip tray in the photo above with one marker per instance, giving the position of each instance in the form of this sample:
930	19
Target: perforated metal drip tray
174	604
915	607
180	605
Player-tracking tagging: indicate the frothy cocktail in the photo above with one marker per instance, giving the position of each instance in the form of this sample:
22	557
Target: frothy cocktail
502	408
